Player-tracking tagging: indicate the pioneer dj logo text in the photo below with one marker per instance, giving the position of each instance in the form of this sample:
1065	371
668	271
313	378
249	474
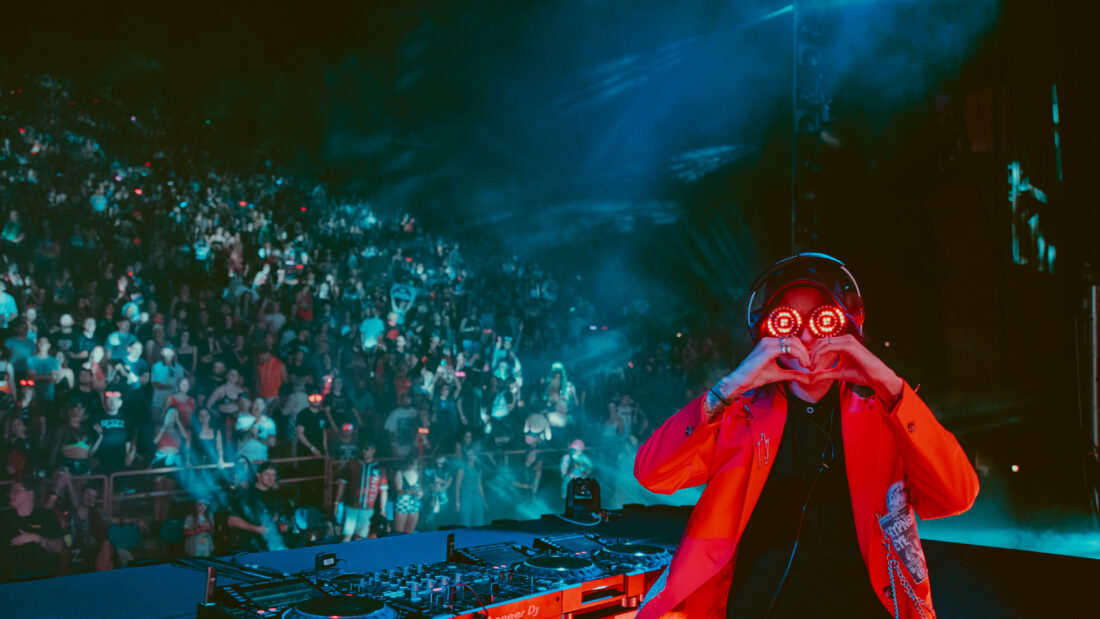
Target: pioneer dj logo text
532	611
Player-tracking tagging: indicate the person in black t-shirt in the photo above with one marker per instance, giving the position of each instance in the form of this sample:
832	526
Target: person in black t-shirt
63	335
116	450
208	383
337	406
132	371
87	546
311	428
85	341
345	447
86	396
257	512
30	537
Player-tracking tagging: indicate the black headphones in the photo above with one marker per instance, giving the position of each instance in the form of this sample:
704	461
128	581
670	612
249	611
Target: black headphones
819	270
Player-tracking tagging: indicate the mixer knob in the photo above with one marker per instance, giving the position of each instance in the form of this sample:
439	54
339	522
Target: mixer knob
444	581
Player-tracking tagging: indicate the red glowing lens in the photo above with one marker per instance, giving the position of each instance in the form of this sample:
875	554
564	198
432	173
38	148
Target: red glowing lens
316	397
783	321
826	321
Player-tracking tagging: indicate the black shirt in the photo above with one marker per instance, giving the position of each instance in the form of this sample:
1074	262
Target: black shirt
63	340
117	430
90	400
29	560
340	450
827	577
340	408
313	426
263	508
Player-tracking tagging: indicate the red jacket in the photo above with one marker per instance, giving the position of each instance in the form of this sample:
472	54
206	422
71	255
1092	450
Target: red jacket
885	452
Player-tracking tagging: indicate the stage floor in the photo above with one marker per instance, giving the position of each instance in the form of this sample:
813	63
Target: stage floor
967	581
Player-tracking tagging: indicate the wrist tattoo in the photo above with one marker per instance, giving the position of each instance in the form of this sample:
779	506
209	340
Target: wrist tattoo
712	404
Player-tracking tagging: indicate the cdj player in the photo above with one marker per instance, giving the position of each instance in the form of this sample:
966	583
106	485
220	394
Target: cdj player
570	575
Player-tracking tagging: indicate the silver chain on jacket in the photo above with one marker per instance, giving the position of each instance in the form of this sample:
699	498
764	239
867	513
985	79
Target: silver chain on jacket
892	565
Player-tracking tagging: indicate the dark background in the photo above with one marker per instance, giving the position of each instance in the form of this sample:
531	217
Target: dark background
641	150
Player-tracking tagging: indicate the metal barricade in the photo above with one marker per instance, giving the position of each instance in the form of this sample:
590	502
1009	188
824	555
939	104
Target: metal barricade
112	499
505	461
82	481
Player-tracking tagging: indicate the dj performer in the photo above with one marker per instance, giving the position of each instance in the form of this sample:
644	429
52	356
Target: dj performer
815	456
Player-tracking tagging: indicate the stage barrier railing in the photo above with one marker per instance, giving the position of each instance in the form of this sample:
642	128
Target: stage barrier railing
78	480
331	478
112	498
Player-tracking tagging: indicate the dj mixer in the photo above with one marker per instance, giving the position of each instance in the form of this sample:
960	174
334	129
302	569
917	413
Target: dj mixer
569	575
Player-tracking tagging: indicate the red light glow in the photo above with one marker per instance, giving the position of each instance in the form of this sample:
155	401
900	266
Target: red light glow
783	321
826	321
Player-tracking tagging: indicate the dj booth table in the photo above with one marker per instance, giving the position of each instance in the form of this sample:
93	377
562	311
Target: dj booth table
968	581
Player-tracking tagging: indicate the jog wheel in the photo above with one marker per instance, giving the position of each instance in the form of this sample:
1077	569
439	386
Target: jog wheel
644	555
341	607
568	569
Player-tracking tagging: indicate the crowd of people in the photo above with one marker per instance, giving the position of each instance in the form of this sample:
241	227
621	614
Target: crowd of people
166	308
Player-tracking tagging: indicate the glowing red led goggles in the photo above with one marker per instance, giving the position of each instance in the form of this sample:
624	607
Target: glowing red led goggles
316	398
820	271
785	321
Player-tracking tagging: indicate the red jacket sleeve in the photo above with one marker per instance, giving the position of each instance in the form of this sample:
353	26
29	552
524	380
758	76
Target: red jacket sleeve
942	482
679	453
